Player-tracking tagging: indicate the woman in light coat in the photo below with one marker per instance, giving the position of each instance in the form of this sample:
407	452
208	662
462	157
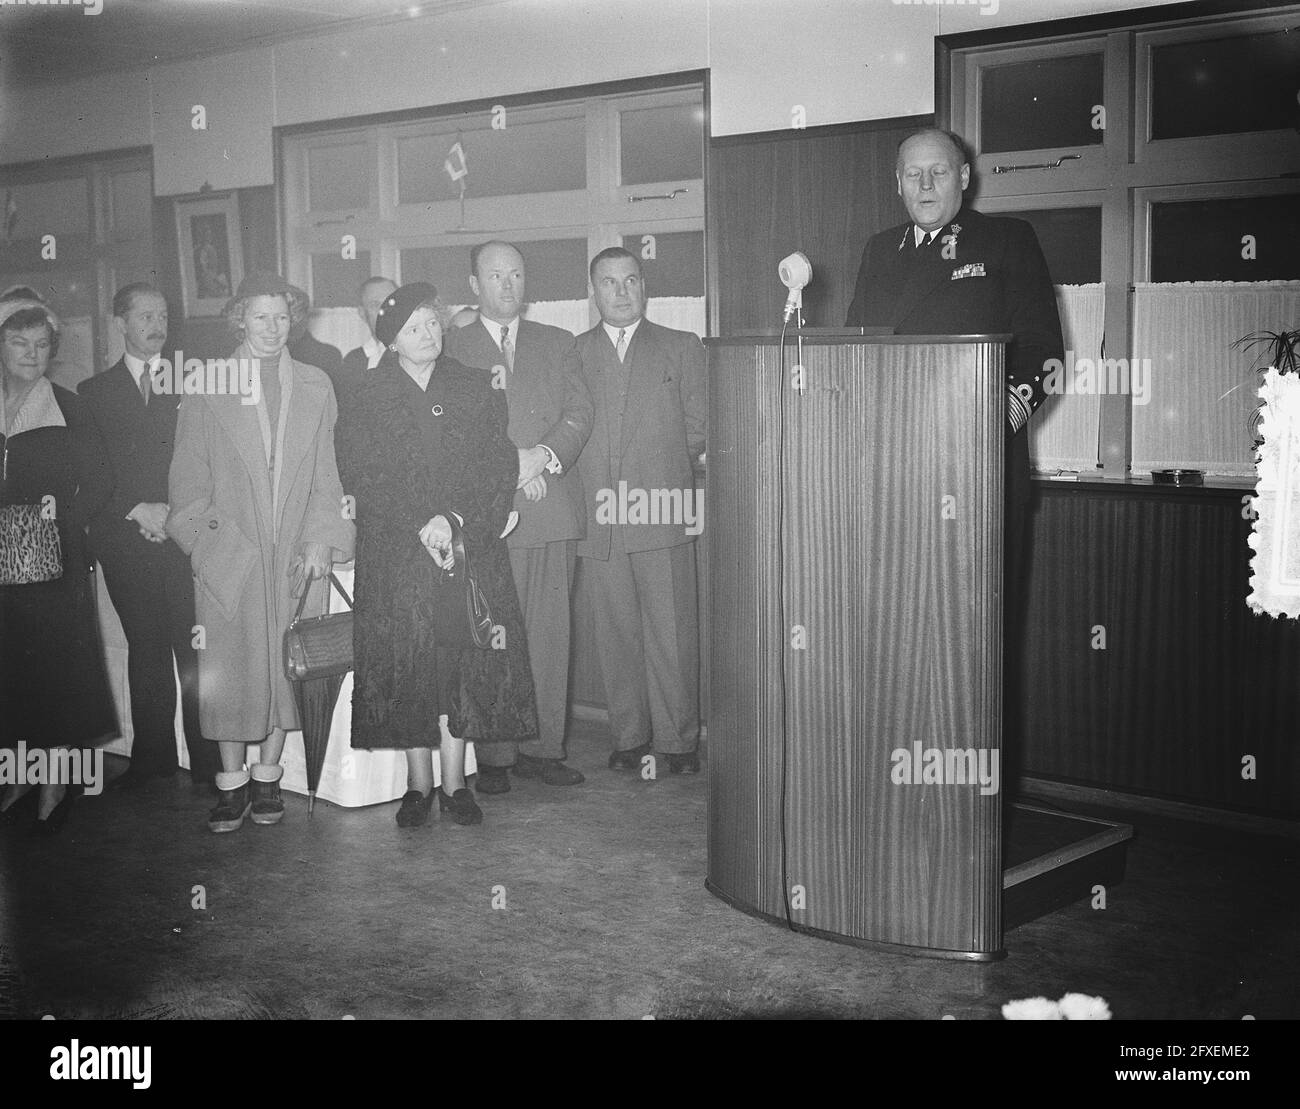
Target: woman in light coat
257	505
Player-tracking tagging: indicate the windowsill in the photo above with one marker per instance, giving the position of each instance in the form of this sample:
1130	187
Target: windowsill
1215	485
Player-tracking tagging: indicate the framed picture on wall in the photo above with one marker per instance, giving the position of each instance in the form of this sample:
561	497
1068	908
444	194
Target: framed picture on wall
212	265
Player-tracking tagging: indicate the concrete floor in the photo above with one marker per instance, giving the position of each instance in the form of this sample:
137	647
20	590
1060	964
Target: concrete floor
604	915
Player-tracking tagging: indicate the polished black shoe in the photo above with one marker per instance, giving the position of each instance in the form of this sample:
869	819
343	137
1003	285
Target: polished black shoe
629	759
493	779
53	824
683	764
415	808
551	771
463	808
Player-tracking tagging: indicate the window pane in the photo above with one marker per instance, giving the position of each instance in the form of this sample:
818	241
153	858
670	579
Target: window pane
1071	242
335	280
523	157
554	269
1205	240
1225	86
1043	104
339	177
677	268
662	144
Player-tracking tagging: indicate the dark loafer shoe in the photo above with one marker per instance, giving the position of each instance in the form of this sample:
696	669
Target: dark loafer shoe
415	809
551	771
493	779
463	808
629	759
683	764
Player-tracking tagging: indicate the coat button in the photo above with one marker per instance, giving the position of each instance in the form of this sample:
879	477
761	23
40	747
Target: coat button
213	525
437	410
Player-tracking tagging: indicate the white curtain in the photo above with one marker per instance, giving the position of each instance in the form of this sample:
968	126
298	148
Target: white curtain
1202	386
1275	568
1063	432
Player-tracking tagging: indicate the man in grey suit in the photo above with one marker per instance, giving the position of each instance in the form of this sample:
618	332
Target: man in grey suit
643	514
550	420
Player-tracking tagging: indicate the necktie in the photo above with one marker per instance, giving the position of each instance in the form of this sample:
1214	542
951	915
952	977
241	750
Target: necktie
620	348
925	240
146	383
508	348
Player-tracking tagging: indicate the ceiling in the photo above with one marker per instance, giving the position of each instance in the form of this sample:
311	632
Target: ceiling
54	42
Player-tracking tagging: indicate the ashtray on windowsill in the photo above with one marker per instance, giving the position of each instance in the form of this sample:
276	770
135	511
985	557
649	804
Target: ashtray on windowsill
1178	477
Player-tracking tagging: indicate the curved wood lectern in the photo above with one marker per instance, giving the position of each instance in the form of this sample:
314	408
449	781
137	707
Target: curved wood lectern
856	645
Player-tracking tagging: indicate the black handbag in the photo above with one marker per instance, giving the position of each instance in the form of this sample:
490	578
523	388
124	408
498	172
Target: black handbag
461	615
319	646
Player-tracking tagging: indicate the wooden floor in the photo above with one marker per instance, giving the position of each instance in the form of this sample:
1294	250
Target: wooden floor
601	912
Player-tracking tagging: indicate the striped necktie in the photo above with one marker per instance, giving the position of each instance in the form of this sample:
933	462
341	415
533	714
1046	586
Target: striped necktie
508	348
620	348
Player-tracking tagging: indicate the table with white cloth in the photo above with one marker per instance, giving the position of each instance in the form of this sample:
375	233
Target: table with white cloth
350	778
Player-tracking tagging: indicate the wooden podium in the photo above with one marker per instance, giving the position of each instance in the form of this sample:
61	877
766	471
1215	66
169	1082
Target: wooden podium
856	644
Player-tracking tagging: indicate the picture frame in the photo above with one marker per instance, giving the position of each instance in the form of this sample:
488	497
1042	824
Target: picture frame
212	263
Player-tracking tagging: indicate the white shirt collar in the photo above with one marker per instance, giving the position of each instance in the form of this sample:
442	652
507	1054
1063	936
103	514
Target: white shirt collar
138	366
494	329
374	351
918	234
628	330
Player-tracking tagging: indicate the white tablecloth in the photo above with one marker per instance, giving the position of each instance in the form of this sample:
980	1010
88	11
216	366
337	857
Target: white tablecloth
350	778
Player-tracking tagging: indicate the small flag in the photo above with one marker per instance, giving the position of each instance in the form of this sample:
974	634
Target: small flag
455	163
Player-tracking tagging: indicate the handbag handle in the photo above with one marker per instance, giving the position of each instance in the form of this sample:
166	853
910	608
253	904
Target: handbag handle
302	601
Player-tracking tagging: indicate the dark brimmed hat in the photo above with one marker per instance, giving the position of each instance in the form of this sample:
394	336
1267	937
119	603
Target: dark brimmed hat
398	307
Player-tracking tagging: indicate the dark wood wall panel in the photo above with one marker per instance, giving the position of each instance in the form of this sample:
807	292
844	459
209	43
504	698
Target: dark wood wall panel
1190	681
824	191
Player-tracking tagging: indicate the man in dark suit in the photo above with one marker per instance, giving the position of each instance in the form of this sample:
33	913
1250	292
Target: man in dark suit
374	291
643	514
952	271
550	419
147	575
304	347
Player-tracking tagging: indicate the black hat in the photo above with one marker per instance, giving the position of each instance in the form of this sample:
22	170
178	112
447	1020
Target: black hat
398	307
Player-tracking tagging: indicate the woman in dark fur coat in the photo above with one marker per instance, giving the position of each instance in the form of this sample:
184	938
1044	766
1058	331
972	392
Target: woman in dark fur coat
421	442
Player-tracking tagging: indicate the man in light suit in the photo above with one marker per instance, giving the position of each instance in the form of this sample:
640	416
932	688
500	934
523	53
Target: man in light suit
550	420
643	514
147	575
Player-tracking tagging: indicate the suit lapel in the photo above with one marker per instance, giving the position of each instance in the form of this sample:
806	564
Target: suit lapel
240	422
641	364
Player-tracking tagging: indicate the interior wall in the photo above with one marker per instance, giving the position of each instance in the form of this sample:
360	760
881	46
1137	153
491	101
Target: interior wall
824	192
841	60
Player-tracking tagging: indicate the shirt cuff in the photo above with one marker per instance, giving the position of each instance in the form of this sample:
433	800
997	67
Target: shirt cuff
553	466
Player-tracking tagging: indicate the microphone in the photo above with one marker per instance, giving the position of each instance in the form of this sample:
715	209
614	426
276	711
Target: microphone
795	271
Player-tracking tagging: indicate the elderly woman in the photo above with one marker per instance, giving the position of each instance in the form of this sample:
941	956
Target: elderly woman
424	441
256	504
53	688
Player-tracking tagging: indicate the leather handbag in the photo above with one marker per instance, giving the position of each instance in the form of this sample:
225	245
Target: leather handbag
461	615
319	646
30	551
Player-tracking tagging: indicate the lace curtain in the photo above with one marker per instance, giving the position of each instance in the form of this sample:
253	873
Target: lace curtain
1063	432
1201	386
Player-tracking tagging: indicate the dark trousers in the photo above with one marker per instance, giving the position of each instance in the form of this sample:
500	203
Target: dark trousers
154	599
544	580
